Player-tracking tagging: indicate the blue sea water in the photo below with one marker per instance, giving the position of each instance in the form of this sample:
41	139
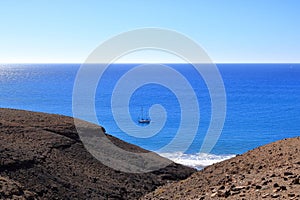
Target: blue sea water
263	103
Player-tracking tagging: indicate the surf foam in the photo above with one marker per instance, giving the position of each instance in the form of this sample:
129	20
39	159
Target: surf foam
198	160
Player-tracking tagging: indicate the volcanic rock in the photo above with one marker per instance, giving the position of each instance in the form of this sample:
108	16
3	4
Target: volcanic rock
268	172
42	157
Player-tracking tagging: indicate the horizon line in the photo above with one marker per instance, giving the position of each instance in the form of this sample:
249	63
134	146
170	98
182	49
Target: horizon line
11	63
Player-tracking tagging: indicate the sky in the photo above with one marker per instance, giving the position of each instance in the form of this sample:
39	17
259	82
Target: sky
230	31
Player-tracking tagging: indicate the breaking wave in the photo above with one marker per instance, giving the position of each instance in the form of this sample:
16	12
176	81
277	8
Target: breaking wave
198	160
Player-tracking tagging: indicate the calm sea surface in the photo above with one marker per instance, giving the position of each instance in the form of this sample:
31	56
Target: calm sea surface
263	103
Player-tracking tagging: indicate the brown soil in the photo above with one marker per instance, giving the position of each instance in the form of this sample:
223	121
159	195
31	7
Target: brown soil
42	157
268	172
10	189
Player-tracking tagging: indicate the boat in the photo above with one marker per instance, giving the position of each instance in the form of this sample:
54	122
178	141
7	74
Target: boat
142	119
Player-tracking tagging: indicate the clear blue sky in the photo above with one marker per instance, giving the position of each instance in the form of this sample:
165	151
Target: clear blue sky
229	30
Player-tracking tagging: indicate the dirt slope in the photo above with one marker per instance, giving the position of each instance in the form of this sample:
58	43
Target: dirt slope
42	157
268	172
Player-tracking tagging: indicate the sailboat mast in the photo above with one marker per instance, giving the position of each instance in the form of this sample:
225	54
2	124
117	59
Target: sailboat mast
142	112
143	120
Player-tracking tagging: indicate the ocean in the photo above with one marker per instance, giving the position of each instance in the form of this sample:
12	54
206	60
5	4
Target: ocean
262	104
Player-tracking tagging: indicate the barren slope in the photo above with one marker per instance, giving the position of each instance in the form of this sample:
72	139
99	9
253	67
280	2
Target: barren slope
42	155
268	172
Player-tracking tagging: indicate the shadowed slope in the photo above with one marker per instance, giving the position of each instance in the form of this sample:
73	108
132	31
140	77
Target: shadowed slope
43	153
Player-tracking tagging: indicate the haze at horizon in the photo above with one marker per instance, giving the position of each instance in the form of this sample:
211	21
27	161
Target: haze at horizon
231	32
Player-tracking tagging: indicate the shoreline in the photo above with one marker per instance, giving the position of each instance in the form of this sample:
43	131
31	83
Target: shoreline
41	154
45	149
266	172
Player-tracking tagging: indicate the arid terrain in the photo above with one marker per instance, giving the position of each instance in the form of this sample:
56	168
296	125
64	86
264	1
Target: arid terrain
268	172
41	157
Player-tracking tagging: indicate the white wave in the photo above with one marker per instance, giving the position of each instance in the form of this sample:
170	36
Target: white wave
199	160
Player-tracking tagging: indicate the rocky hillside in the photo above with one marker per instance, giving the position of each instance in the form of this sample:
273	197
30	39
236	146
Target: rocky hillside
10	189
268	172
41	157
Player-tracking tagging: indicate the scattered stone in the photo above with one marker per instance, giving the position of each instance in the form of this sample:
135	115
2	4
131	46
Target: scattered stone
238	188
291	195
276	185
265	183
222	187
265	195
258	187
276	190
235	192
283	187
287	173
214	194
265	187
296	181
223	193
275	195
